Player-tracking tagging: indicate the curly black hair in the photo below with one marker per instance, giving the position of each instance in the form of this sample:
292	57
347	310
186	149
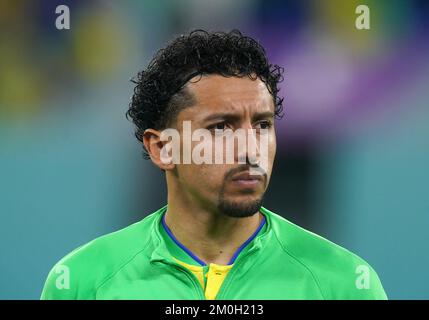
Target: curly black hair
160	92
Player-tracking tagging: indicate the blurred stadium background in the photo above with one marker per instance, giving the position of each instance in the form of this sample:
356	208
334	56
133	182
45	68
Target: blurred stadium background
353	157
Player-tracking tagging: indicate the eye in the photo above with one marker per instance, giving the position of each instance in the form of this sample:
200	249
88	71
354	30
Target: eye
220	126
264	125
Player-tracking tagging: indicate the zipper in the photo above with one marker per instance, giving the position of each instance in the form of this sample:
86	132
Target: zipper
234	270
230	275
191	277
182	269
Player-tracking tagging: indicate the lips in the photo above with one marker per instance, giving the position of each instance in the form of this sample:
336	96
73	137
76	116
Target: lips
245	176
245	181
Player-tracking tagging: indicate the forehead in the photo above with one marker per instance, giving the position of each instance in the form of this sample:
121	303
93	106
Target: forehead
216	93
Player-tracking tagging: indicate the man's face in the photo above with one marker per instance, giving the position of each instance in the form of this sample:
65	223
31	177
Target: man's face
229	103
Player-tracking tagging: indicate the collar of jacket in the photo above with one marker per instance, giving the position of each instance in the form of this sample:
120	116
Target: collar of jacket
161	253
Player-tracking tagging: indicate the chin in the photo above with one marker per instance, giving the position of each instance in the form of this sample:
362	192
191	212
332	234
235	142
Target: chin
240	207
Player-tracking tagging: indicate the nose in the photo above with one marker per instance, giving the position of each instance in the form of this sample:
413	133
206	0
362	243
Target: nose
248	151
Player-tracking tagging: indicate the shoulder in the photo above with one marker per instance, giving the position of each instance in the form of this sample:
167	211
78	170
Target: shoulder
82	271
339	273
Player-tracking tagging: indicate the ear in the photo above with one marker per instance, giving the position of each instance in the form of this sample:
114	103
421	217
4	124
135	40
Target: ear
157	149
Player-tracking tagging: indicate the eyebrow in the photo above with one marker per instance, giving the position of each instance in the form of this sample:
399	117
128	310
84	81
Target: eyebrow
235	117
263	115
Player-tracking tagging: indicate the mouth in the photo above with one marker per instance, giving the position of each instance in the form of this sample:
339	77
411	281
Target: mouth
244	179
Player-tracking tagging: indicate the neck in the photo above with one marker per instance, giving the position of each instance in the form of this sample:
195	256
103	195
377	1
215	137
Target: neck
212	236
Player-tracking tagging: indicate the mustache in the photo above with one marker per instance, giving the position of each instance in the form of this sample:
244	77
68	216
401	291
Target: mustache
246	167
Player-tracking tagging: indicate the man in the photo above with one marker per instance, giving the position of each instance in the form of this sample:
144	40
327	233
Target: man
213	239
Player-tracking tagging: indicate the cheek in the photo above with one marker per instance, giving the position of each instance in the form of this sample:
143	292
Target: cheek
205	177
273	147
267	151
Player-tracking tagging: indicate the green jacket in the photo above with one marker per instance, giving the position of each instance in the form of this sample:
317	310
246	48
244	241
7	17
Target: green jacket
283	261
